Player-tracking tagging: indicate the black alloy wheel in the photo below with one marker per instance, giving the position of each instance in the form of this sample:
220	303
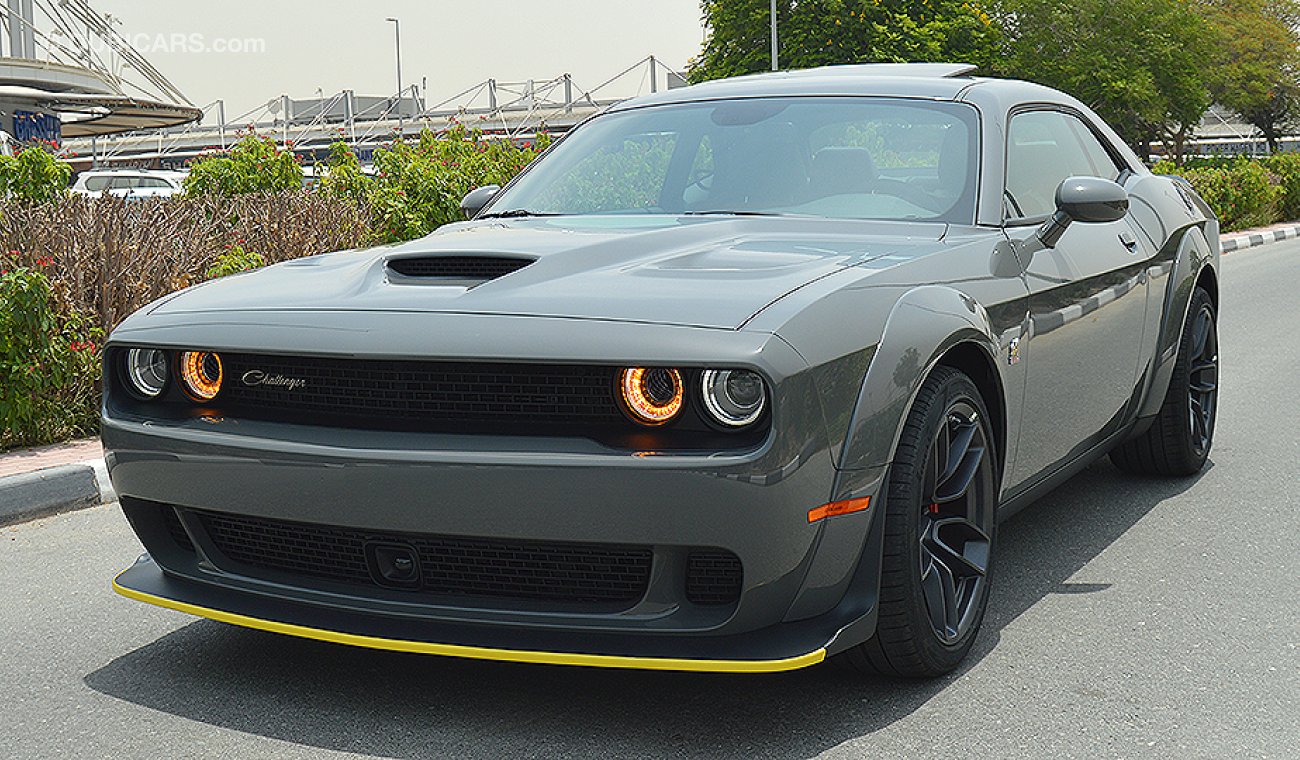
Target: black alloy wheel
939	530
1178	440
1203	379
955	523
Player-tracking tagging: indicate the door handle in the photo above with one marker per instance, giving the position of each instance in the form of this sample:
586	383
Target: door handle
1129	242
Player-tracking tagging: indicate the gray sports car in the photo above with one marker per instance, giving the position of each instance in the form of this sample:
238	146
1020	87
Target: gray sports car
736	377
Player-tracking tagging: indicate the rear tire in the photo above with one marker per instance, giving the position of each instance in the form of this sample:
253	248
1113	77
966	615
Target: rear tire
1178	441
939	525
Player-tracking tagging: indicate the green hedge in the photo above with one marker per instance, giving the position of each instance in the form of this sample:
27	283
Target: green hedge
1243	192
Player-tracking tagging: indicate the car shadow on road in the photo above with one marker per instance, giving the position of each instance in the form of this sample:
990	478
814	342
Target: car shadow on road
402	705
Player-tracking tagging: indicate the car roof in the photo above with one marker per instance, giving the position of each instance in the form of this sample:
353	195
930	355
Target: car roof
931	81
128	170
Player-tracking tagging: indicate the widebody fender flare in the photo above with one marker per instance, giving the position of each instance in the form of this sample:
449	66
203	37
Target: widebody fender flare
924	325
1195	253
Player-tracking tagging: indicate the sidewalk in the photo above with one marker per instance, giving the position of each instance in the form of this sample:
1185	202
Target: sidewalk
1235	241
51	479
30	460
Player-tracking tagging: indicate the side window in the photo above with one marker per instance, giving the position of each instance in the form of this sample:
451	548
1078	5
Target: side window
1043	149
97	184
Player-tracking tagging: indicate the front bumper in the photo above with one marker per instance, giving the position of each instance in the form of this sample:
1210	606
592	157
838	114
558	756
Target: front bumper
804	585
806	590
146	582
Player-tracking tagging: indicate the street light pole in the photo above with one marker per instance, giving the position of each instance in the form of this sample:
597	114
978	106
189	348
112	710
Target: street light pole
397	33
774	64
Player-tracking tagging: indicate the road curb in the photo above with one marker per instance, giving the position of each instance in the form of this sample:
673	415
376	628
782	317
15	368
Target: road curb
1253	239
68	487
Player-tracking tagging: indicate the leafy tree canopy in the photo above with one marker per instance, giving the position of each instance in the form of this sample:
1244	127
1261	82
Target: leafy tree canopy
1139	63
825	32
1257	62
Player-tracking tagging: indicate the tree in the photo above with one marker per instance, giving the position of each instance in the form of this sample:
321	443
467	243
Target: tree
826	32
1255	70
1139	63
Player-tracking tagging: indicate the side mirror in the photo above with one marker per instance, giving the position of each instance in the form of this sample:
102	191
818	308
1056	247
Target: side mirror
1083	199
476	199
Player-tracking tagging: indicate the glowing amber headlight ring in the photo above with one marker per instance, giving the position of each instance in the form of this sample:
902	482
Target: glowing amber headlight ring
642	404
201	373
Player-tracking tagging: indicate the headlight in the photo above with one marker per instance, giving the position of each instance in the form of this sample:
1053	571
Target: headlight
733	397
651	396
201	372
146	370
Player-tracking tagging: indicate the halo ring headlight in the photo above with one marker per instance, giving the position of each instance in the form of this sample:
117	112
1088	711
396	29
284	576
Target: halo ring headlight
201	373
146	371
651	396
734	398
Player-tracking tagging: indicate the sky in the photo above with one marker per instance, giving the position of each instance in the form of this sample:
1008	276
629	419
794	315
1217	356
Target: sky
248	52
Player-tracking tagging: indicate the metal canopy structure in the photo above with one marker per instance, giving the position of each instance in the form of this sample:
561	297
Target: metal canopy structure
512	110
62	59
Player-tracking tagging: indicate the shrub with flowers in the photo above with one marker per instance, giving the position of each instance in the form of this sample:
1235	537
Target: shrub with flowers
35	175
49	363
256	164
343	175
419	185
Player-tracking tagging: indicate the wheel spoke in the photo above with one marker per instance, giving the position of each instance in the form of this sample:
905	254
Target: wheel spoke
1200	334
959	482
959	445
940	592
960	546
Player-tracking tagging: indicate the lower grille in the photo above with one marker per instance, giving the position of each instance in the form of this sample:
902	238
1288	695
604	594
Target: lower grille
449	566
713	577
176	530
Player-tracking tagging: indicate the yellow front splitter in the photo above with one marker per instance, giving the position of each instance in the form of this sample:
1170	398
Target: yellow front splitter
481	653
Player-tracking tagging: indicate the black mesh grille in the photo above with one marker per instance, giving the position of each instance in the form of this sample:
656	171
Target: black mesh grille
420	395
176	530
449	566
458	267
713	577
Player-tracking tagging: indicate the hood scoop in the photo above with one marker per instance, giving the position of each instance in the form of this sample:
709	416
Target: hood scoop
467	271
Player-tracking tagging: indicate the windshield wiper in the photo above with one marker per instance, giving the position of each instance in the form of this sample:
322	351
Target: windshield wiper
515	213
727	212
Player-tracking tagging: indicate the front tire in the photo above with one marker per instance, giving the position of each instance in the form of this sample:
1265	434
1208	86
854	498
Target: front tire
1178	441
939	523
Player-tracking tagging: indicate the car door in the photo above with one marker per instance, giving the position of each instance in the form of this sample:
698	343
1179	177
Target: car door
1087	296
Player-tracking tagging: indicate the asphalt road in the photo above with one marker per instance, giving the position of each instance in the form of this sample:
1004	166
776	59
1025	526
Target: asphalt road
1130	618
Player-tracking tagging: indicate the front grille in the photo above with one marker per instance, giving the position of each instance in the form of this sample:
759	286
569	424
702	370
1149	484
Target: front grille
449	566
713	576
458	267
419	395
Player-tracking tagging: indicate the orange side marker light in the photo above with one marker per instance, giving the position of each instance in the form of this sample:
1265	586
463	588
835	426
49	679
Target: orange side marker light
848	506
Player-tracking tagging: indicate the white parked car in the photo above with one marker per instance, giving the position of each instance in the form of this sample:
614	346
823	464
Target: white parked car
129	183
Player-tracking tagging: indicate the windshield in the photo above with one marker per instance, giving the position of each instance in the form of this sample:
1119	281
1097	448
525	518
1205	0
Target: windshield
837	157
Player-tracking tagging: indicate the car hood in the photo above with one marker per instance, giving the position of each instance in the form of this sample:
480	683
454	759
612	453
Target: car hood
696	271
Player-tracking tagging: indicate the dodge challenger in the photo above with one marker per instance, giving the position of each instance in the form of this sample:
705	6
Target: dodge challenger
735	377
